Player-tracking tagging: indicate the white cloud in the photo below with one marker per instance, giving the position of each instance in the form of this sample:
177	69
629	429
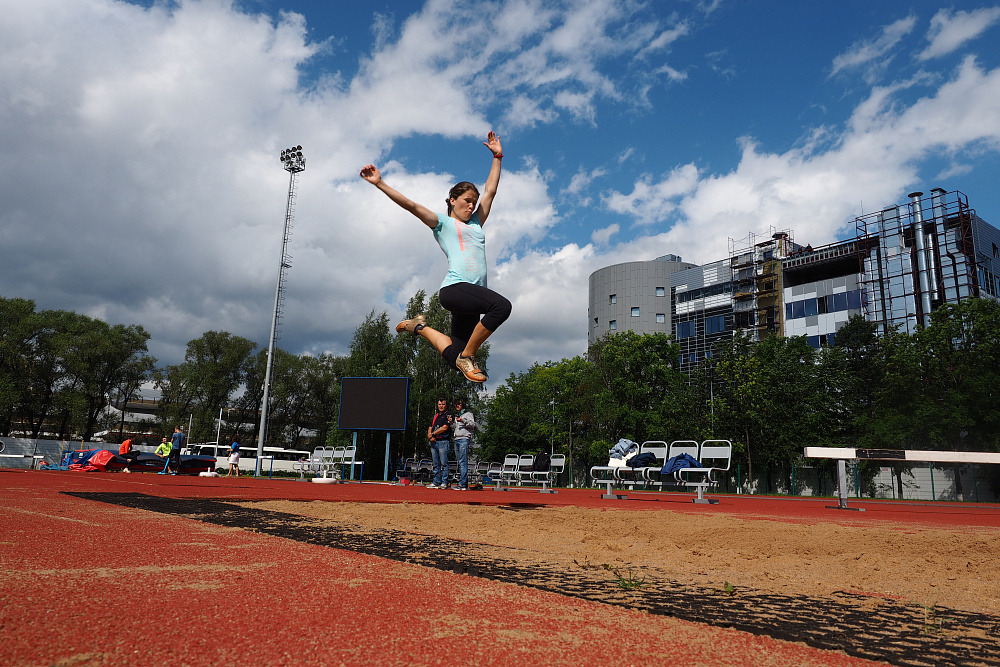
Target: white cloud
140	179
950	30
815	190
666	38
582	179
872	52
651	201
602	236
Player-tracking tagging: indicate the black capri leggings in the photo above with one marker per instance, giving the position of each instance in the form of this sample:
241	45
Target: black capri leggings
467	302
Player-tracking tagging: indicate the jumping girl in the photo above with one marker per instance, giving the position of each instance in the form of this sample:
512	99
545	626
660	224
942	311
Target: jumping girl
463	292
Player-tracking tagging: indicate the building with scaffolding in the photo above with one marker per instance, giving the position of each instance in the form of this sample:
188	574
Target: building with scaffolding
756	266
903	262
821	291
702	307
915	257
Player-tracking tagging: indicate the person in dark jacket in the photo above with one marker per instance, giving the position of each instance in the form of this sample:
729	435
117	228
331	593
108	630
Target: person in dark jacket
439	435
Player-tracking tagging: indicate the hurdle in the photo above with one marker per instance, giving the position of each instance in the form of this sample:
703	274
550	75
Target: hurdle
844	454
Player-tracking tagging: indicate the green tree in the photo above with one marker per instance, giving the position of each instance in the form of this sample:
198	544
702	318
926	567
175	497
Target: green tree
99	359
638	392
739	397
214	369
796	409
544	408
960	366
17	331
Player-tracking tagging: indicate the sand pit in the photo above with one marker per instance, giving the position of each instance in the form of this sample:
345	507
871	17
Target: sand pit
932	567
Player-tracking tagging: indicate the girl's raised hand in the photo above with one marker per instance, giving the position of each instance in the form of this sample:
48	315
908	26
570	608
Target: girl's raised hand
370	173
493	143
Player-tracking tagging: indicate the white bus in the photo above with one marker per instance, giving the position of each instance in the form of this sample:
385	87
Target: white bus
283	458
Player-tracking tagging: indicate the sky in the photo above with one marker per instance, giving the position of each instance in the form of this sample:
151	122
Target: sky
140	179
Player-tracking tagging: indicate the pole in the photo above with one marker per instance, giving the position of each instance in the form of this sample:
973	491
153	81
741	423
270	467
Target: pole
293	163
218	431
387	434
261	434
552	438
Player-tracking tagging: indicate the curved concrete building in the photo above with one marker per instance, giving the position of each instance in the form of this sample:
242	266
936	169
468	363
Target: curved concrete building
633	296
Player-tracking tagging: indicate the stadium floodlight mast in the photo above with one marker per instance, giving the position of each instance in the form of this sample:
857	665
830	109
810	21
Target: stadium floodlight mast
293	162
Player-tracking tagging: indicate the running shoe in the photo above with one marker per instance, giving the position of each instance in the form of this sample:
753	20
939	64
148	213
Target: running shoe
433	486
470	369
412	325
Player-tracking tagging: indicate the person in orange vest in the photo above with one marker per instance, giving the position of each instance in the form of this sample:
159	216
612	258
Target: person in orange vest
125	451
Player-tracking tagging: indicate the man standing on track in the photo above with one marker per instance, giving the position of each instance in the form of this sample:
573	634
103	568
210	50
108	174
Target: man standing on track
439	435
174	460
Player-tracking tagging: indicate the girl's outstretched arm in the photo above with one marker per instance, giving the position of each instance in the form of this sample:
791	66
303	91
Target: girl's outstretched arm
371	174
486	201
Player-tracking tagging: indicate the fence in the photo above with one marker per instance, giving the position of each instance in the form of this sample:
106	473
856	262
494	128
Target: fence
22	452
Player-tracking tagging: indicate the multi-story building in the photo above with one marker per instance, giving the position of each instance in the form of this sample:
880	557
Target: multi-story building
821	291
632	296
702	304
915	257
904	262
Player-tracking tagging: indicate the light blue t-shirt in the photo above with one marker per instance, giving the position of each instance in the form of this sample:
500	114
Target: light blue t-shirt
465	247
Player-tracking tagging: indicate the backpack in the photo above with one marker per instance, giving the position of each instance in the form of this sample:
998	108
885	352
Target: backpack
541	463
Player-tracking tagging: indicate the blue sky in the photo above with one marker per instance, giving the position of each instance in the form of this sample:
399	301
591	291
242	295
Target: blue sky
140	140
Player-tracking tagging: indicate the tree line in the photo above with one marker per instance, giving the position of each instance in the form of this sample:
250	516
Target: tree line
934	389
61	371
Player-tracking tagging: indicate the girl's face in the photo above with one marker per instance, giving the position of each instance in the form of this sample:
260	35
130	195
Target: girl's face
464	206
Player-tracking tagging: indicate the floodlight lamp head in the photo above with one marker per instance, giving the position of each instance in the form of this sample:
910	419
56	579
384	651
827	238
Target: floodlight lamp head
293	160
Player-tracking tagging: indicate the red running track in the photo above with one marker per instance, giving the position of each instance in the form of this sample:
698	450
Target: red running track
86	583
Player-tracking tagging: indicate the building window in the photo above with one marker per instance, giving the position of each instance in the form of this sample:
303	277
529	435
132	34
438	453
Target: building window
595	321
613	325
661	318
613	298
635	311
685	329
661	291
831	303
715	324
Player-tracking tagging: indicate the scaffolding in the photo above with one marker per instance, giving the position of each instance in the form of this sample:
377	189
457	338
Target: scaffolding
757	282
915	257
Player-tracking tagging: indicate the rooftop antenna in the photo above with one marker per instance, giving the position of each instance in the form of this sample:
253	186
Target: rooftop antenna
293	162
